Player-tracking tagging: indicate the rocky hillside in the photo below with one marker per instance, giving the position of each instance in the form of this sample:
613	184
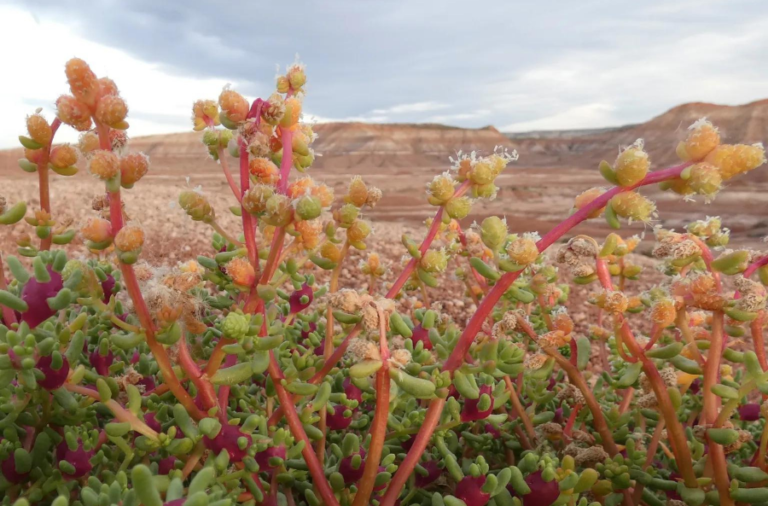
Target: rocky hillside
744	123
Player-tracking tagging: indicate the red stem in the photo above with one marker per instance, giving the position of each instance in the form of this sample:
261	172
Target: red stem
297	430
378	429
486	306
43	177
249	229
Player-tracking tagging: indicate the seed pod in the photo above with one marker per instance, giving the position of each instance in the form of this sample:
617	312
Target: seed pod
585	198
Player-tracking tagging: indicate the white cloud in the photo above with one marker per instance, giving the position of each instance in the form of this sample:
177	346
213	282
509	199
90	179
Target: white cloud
34	57
410	108
584	116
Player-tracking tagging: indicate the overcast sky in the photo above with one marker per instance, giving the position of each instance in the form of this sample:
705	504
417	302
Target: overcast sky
518	65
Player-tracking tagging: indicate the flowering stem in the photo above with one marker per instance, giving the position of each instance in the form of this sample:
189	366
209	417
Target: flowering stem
187	363
249	229
139	305
594	407
215	225
297	430
486	306
519	408
328	346
228	174
43	176
423	437
379	427
757	336
711	401
394	290
287	162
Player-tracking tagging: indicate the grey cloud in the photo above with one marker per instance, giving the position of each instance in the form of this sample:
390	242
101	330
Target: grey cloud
373	59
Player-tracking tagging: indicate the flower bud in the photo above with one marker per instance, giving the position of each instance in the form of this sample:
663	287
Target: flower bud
74	113
255	199
359	230
330	252
279	211
308	207
347	214
586	197
235	326
205	113
441	189
107	87
309	232
324	193
264	170
296	77
434	261
233	105
112	111
104	164
493	232
703	137
129	239
563	323
132	168
97	230
374	195
63	156
241	271
631	165
357	193
196	206
283	84
733	160
458	208
663	312
33	155
292	113
82	81
273	110
523	251
88	143
705	179
485	191
482	173
39	129
633	206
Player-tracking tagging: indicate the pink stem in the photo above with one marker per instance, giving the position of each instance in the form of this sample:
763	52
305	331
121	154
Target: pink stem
249	231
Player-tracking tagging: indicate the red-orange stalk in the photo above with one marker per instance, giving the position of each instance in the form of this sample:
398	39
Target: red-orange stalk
378	429
486	306
43	177
139	305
